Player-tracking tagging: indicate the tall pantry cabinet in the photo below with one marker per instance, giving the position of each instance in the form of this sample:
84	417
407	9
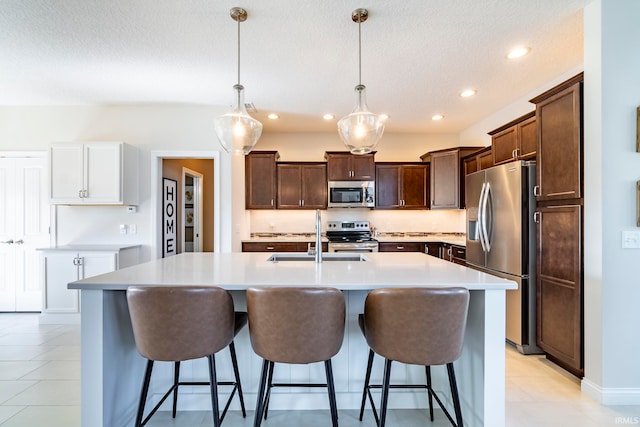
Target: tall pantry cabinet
559	224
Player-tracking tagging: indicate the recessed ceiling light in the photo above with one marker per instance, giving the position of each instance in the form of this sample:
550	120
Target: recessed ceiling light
273	116
468	92
328	116
518	52
437	117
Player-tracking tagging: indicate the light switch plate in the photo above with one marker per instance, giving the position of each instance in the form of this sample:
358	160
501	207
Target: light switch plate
630	239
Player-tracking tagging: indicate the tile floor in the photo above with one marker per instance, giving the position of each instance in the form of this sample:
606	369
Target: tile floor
39	386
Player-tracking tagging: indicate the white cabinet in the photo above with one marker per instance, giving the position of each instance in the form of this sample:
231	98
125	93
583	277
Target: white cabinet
96	173
63	265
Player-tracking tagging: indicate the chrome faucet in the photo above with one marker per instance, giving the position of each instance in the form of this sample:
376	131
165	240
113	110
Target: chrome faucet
318	237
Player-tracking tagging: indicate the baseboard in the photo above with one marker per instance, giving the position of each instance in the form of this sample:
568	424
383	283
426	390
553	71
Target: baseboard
611	396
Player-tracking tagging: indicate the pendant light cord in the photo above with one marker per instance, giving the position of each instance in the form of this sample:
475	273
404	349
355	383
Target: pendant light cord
359	52
238	52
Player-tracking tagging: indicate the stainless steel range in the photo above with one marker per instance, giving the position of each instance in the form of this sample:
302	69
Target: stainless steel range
350	236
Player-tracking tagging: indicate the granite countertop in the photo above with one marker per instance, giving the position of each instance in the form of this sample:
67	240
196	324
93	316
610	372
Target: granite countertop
240	270
451	238
284	237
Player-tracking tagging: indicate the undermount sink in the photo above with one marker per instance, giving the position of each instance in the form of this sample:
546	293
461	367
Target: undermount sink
307	257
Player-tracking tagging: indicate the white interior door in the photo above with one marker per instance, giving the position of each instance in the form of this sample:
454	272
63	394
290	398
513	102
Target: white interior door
24	226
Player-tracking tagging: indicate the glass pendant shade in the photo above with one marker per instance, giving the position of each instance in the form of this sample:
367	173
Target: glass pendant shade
237	131
361	130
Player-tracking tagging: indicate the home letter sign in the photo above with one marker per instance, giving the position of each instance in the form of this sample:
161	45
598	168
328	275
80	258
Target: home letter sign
169	223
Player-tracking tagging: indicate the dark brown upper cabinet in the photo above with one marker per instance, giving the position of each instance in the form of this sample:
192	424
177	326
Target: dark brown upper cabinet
517	140
402	186
302	185
478	161
260	179
344	166
559	162
446	176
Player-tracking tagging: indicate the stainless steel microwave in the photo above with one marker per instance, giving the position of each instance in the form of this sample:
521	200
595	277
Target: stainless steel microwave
351	194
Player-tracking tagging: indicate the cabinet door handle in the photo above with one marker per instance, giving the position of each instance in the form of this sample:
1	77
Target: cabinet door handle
270	248
537	217
301	202
536	190
271	202
399	248
19	242
8	242
80	193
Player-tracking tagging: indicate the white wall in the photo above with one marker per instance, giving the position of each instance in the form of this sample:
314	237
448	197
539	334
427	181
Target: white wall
478	133
612	167
169	127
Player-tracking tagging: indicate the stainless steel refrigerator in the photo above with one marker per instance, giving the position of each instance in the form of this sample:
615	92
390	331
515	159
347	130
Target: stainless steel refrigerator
501	240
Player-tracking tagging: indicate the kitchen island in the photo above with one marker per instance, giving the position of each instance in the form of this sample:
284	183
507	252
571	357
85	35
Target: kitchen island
112	370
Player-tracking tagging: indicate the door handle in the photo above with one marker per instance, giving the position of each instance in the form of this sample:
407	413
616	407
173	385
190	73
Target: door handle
19	242
8	242
483	226
481	217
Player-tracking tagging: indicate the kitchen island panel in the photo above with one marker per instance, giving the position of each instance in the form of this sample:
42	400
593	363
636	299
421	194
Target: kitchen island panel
112	370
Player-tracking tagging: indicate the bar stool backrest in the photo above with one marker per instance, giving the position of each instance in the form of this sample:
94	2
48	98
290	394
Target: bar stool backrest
176	323
297	325
421	326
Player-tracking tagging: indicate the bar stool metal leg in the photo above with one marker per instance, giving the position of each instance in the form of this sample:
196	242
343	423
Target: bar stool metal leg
385	392
429	391
143	393
454	394
367	378
332	393
257	418
176	380
236	372
214	390
267	398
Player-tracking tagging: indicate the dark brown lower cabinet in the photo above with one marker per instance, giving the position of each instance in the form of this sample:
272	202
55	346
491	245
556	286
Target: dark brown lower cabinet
400	247
559	285
279	246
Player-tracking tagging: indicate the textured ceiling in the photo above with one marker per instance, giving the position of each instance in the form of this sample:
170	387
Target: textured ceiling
299	57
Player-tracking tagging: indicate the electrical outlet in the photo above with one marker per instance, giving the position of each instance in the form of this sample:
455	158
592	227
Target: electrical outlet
631	239
123	229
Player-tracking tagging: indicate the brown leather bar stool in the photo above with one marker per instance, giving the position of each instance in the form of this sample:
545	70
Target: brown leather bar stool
417	326
178	323
295	325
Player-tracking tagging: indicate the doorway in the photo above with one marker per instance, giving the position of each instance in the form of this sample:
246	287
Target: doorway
192	225
24	227
210	191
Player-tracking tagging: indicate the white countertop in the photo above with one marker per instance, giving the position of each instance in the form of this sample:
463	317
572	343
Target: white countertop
87	247
240	270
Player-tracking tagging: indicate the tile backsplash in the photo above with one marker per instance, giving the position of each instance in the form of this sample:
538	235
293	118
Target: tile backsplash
282	221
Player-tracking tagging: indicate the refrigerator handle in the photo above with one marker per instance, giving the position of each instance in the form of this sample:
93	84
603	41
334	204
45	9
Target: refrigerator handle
483	222
481	217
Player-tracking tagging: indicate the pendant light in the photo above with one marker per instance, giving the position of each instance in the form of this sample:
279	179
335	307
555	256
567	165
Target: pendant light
237	131
361	130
